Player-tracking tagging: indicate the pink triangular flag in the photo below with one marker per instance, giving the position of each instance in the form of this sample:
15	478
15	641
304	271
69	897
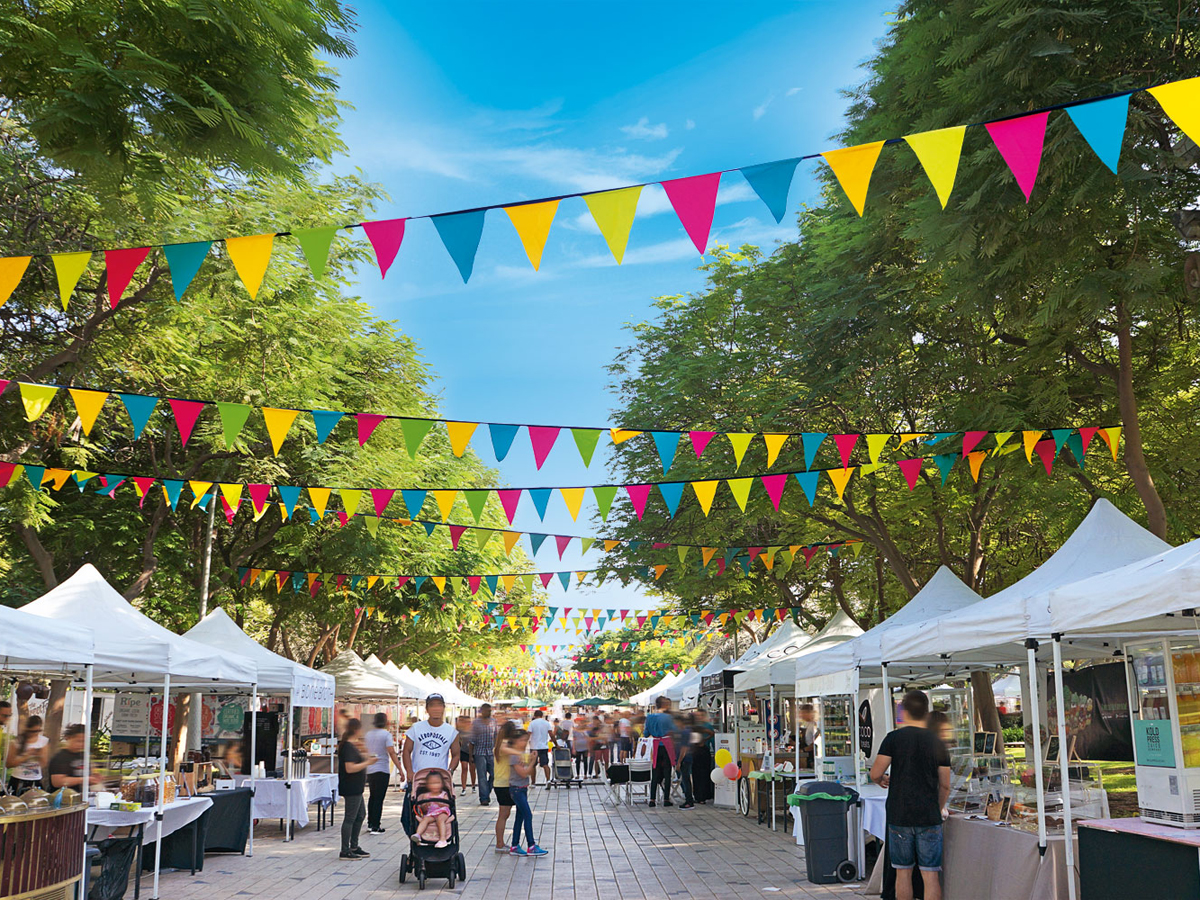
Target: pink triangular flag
1085	434
542	437
563	541
456	533
143	483
774	486
509	499
1020	143
367	423
638	495
695	200
473	582
342	517
700	440
258	495
185	412
381	497
546	578
1045	451
385	238
809	553
120	265
911	470
970	439
845	444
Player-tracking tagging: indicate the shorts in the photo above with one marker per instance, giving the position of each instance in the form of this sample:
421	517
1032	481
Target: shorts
626	744
543	757
503	797
915	845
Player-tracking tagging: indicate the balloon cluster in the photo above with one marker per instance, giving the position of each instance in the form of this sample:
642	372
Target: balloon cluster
727	769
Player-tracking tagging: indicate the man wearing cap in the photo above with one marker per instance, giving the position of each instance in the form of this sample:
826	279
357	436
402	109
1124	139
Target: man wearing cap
432	743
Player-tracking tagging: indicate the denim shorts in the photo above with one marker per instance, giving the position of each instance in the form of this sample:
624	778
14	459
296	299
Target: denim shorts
915	845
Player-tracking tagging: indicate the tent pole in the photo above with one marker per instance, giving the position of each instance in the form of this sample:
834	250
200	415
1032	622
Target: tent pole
856	745
1063	761
773	721
890	718
87	746
287	790
1031	647
253	765
162	785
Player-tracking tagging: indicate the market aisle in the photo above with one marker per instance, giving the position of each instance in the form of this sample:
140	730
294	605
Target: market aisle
599	851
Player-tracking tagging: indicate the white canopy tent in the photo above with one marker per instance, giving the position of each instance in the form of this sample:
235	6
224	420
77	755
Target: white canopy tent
686	690
788	631
29	643
407	689
675	691
358	683
775	666
646	697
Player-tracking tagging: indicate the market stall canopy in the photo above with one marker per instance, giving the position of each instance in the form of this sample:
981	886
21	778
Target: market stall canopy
33	643
646	697
276	674
786	633
993	631
777	666
406	688
131	648
837	669
690	683
356	682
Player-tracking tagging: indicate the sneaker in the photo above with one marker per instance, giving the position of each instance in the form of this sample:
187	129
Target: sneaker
441	844
688	806
374	831
535	850
516	851
359	852
668	803
653	804
349	854
501	849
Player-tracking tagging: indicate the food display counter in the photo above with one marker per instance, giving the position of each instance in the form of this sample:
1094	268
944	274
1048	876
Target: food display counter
42	852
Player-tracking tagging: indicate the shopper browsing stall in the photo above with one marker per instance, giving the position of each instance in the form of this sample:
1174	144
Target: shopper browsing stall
66	766
352	780
379	743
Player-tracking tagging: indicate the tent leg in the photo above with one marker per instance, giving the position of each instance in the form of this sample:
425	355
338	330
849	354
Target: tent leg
287	792
773	720
1031	647
85	789
887	700
1063	765
253	765
860	843
164	736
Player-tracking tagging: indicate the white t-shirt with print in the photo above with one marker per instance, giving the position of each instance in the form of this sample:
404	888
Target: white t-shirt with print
431	745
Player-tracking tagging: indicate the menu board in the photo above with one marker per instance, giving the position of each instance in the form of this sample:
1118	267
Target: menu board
136	715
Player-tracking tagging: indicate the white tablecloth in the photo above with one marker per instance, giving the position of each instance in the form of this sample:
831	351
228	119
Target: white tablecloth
272	797
175	816
873	811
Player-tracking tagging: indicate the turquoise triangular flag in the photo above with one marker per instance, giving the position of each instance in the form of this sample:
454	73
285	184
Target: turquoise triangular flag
492	582
413	501
1060	438
945	462
744	562
940	436
206	499
35	474
812	443
666	442
1075	445
671	494
313	518
540	497
429	526
502	439
1102	124
809	481
771	181
417	582
460	233
290	495
174	489
325	421
139	409
184	262
565	578
535	541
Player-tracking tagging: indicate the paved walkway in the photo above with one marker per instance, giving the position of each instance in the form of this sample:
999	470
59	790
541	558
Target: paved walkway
597	851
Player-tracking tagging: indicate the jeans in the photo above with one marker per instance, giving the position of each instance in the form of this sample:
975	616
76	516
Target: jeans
582	765
685	778
915	845
661	774
485	771
377	782
352	820
524	816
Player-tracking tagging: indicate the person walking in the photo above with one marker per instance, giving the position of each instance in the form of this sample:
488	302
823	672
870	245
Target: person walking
539	740
918	788
483	739
379	743
520	764
500	783
701	752
660	726
352	779
579	747
685	756
466	752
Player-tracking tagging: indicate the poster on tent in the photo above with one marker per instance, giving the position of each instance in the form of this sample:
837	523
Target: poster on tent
315	721
1097	712
137	715
223	717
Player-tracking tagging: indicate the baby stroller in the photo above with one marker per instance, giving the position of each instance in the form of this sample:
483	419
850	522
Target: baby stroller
423	859
561	771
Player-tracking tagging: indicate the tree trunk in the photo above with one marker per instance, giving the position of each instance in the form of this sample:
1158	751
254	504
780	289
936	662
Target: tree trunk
41	556
985	702
358	620
52	727
1135	459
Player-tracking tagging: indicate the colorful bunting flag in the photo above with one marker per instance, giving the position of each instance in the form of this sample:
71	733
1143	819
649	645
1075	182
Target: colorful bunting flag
1020	142
852	167
939	152
613	212
532	222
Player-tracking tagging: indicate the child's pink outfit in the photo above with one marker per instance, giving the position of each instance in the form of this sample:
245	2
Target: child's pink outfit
433	808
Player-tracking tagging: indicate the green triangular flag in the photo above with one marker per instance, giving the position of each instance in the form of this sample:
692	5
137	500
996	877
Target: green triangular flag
482	536
945	462
372	523
233	420
414	432
604	498
1060	438
682	550
315	244
585	544
476	501
586	440
527	580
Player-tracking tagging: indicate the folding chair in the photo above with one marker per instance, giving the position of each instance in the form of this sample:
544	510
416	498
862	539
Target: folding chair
618	778
640	772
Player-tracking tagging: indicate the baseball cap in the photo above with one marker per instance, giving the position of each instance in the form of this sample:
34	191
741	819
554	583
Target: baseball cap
438	697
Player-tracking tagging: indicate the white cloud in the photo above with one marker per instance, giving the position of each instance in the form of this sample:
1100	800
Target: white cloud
642	130
745	231
578	169
689	124
761	109
793	91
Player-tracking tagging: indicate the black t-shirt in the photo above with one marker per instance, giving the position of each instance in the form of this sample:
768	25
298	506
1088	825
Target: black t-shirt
916	755
66	762
350	784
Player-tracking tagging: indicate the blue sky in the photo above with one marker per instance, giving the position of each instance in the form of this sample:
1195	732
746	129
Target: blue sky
467	104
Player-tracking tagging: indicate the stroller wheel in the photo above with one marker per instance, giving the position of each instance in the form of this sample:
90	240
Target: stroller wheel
450	880
403	867
460	864
421	881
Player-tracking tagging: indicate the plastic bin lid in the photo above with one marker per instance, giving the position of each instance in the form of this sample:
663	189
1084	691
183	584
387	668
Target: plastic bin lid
823	790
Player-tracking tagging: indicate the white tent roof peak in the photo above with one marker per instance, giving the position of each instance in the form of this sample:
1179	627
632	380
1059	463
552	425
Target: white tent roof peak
787	631
356	681
766	669
29	642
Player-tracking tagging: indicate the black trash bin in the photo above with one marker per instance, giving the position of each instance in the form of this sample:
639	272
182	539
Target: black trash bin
823	807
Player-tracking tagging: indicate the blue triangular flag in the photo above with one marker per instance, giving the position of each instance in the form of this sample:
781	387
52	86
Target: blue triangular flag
139	408
945	462
666	442
325	420
417	582
429	526
208	498
492	581
413	501
290	495
460	233
771	181
812	443
671	493
1060	438
540	497
502	438
174	489
939	436
35	475
535	541
731	553
809	481
313	518
565	578
1102	124
298	579
184	262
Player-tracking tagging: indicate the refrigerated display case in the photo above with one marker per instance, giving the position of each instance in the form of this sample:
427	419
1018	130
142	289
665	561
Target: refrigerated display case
1164	699
835	757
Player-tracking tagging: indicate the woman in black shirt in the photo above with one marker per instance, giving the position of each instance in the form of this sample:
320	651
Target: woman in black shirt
352	779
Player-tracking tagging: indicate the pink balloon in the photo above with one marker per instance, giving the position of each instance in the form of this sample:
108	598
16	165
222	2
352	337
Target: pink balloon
731	770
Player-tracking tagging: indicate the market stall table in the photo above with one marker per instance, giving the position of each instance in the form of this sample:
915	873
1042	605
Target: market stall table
1012	871
103	823
272	797
1106	847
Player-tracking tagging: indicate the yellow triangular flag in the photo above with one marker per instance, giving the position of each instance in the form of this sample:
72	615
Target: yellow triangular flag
12	268
445	502
1114	440
1002	438
283	513
320	499
532	221
372	523
350	499
508	581
774	444
741	490
840	478
621	435
440	582
460	435
250	256
573	497
87	406
707	554
910	436
870	468
279	421
875	445
371	579
705	491
1179	101
939	152
232	494
740	441
68	269
609	545
1030	438
510	541
58	477
614	212
579	576
36	399
853	167
975	460
199	490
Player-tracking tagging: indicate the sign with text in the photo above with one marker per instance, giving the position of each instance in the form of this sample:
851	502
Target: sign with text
1153	743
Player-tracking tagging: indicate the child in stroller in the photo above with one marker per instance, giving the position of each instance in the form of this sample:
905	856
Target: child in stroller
432	810
430	820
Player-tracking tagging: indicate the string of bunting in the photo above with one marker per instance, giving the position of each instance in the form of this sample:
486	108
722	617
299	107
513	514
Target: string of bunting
1077	440
36	399
1101	120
